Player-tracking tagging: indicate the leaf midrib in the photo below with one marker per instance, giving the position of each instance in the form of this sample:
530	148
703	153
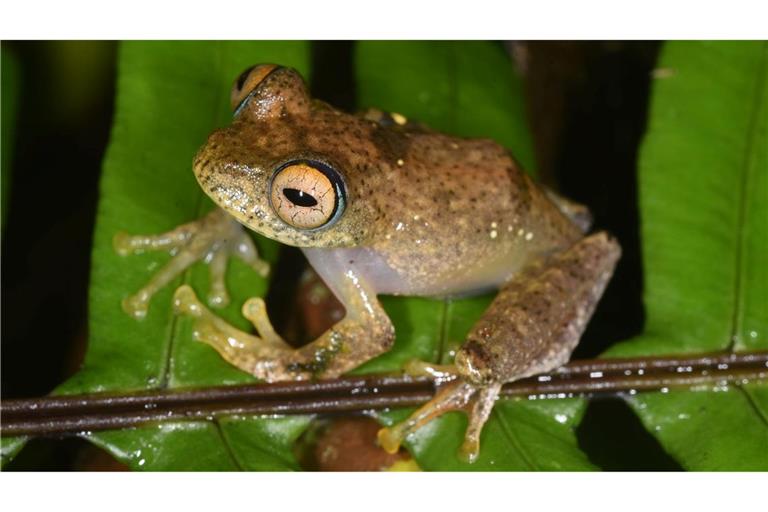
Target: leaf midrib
173	333
750	153
175	327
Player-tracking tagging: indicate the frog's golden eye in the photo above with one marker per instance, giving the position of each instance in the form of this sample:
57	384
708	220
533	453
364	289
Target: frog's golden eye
307	194
246	83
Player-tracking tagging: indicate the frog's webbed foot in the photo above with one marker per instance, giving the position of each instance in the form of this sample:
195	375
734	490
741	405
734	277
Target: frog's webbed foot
253	354
458	395
212	238
268	357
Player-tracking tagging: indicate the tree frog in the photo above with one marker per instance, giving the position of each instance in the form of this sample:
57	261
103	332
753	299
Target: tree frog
382	205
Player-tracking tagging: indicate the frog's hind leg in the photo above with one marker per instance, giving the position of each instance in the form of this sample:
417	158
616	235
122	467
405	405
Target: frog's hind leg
536	320
213	238
532	326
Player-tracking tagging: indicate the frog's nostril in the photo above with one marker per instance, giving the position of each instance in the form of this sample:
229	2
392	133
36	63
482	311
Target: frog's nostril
299	197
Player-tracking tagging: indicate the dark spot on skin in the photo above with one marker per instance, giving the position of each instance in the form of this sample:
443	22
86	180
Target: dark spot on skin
322	357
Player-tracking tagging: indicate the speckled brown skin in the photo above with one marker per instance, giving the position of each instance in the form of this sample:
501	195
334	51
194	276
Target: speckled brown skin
441	210
536	320
423	214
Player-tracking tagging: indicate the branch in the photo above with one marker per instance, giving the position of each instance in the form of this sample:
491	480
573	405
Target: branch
85	413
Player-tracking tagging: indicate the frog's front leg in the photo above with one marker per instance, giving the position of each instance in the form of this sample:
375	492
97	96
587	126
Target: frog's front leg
212	238
362	334
532	326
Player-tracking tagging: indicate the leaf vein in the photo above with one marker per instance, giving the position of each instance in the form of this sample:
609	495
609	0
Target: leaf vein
750	153
173	331
513	440
226	444
756	408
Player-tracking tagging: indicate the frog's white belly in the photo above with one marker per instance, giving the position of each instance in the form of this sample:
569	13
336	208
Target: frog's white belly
371	267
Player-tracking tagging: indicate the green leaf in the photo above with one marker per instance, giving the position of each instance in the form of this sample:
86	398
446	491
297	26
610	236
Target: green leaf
9	447
704	205
170	96
467	89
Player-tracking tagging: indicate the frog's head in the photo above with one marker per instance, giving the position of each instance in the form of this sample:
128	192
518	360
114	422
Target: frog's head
260	169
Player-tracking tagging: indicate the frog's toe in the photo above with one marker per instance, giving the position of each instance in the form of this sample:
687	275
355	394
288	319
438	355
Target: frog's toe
481	407
255	310
125	244
121	243
390	438
239	348
261	267
218	297
185	302
137	305
451	397
457	396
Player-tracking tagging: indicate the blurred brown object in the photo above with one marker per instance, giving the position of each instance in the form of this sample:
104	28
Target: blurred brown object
551	71
93	458
349	444
318	307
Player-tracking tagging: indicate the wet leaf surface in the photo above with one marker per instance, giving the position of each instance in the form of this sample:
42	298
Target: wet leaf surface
704	205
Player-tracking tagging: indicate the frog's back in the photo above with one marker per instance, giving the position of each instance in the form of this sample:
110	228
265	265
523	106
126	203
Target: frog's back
460	215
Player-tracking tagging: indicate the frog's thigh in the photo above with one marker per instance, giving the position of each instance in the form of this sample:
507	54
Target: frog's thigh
536	320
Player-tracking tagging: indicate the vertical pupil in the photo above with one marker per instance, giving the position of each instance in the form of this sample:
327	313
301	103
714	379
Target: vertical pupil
299	197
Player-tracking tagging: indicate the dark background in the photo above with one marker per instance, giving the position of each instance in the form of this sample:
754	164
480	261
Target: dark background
587	106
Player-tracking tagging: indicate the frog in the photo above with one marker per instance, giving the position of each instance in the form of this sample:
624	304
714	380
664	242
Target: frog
382	205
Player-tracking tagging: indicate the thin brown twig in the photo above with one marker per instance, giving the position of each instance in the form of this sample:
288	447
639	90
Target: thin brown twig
84	413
